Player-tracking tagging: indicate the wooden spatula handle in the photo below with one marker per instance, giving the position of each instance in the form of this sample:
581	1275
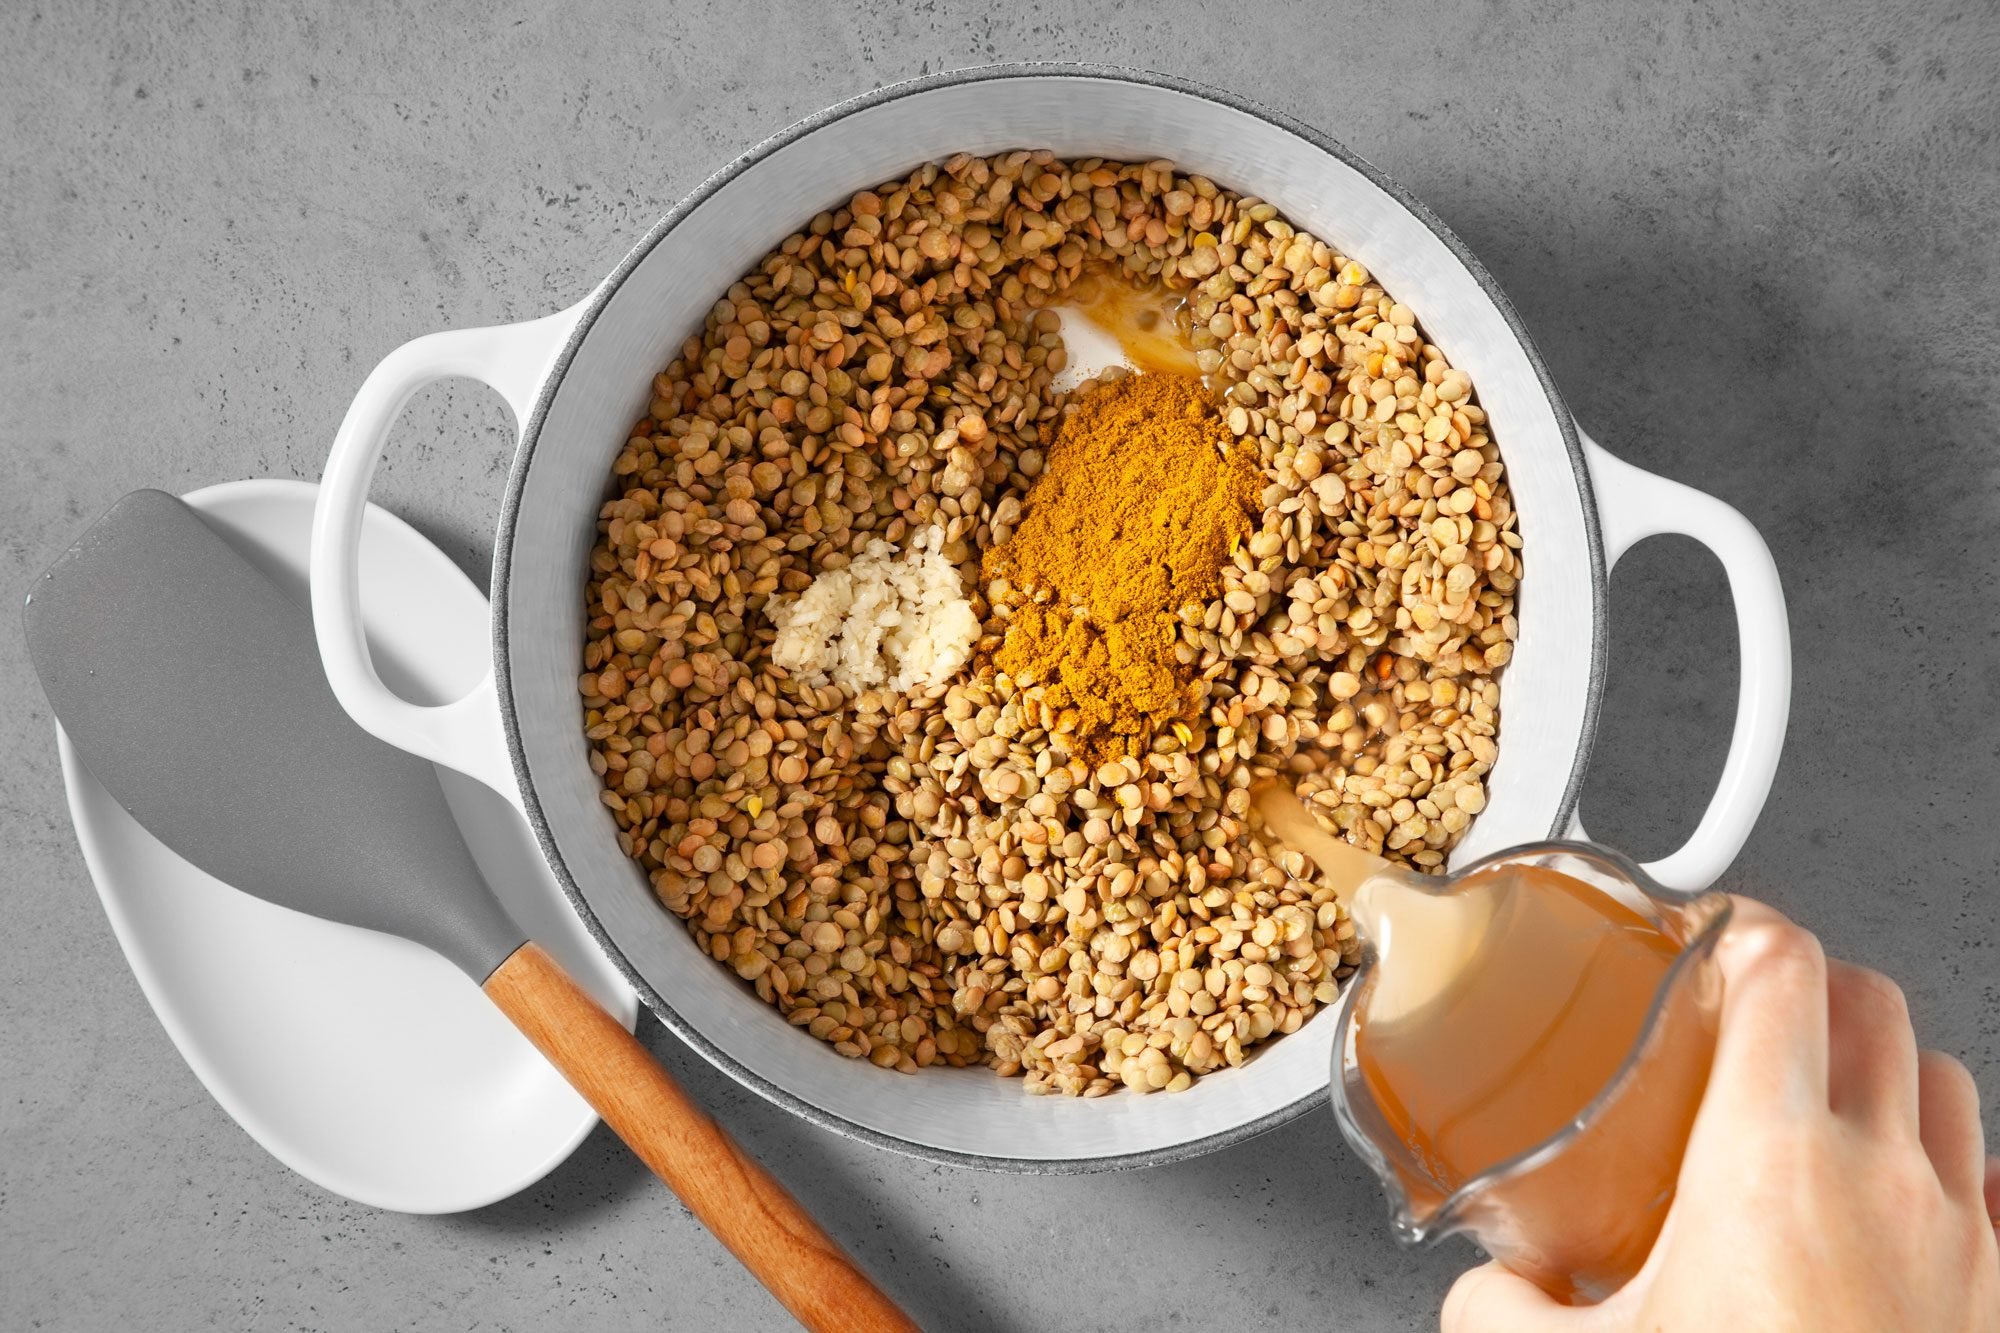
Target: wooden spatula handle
733	1197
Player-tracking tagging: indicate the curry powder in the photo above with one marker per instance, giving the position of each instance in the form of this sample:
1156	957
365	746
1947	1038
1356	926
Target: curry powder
1142	497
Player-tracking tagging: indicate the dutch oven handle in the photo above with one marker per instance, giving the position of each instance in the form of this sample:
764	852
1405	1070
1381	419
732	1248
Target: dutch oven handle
466	734
1635	504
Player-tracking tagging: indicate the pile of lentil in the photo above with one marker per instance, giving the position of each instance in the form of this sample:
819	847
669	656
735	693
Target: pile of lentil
933	877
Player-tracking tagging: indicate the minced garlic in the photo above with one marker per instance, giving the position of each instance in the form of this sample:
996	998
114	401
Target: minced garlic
883	620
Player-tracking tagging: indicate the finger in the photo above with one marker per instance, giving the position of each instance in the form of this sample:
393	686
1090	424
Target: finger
1949	1124
1993	1192
1871	1074
1771	1050
1492	1299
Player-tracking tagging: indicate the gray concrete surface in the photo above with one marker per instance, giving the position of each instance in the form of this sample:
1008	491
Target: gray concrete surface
1757	244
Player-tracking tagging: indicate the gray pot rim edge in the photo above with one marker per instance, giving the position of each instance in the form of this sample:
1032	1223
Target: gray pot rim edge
552	383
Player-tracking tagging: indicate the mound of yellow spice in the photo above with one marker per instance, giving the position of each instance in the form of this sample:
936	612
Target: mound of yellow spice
1143	496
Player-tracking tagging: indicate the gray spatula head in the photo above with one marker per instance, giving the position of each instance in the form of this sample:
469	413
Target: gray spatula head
191	686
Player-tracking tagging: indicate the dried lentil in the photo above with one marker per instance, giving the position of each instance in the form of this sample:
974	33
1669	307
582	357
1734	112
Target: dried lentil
916	878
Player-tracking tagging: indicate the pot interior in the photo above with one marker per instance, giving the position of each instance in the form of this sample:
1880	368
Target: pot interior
661	295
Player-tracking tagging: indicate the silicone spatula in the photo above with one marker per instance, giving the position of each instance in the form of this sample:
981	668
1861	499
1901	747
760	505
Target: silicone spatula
190	684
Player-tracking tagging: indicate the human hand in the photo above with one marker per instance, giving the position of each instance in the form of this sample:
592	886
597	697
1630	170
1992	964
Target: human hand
1836	1177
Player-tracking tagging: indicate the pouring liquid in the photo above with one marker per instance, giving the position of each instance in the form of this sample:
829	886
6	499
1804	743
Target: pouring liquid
1536	1023
1500	1009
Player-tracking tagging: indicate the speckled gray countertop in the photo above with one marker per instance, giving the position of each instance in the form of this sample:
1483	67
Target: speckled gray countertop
1756	244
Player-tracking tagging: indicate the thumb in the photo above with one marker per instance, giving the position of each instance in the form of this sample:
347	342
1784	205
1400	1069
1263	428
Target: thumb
1993	1193
1492	1299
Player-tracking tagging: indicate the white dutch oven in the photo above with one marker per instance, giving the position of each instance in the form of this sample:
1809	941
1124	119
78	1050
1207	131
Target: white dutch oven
577	380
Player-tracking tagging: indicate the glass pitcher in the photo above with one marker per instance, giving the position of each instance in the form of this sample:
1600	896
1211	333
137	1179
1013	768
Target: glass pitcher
1578	1212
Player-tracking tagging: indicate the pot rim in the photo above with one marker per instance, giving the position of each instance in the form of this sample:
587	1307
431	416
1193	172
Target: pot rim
552	383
